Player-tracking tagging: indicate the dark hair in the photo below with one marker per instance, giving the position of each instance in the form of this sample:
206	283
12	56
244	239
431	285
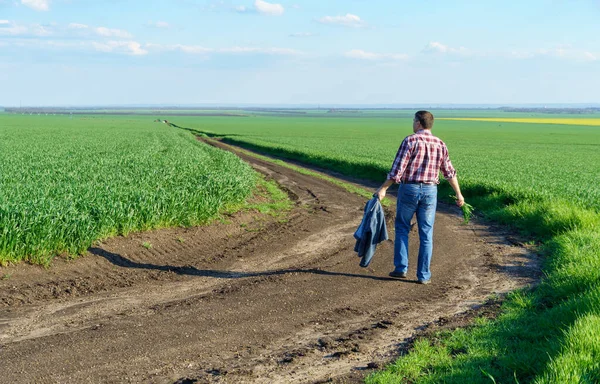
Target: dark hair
425	118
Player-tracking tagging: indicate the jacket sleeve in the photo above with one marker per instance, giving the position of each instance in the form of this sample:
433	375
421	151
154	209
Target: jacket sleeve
382	233
374	234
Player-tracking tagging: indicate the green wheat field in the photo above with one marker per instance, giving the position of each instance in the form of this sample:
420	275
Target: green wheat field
66	182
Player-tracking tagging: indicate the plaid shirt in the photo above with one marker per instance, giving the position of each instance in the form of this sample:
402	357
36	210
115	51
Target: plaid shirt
420	158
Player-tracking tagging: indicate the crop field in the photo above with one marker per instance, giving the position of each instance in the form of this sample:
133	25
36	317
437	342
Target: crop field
549	161
65	183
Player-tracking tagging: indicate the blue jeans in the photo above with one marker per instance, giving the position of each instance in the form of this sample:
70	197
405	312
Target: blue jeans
422	200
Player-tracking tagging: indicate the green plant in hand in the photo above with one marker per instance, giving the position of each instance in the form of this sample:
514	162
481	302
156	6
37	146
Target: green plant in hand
467	210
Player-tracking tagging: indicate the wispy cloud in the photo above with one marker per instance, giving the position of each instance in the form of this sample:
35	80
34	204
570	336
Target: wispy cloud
196	49
42	30
364	55
108	32
349	20
77	26
37	5
267	51
115	47
191	49
559	52
82	37
128	47
437	47
268	8
71	30
10	28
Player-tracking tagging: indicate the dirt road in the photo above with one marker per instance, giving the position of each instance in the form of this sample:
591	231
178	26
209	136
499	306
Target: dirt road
253	300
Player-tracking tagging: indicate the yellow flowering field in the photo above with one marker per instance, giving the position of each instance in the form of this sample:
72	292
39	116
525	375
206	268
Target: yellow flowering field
532	120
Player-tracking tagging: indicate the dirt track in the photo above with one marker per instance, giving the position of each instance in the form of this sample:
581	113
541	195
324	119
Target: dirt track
253	300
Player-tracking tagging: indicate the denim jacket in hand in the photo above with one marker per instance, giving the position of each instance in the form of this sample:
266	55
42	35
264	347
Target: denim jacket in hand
371	231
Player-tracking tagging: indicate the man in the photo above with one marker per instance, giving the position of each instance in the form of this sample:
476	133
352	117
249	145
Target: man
416	168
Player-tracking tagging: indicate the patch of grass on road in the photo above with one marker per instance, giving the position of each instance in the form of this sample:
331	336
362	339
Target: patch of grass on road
547	335
267	198
347	186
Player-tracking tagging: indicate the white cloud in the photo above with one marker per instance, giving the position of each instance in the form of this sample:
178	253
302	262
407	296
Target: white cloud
199	50
128	47
8	28
38	5
268	8
192	49
123	47
349	20
77	26
268	51
107	32
41	30
241	9
70	31
437	47
363	55
590	56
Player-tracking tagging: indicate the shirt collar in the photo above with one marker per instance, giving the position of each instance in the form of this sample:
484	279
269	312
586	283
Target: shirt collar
423	132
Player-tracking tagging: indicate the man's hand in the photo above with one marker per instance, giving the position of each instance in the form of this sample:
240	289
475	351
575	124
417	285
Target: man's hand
381	191
460	200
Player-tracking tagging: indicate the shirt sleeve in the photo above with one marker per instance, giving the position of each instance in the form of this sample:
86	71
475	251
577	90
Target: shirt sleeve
447	169
400	162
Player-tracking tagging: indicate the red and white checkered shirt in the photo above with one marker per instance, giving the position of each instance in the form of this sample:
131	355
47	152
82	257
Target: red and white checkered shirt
420	158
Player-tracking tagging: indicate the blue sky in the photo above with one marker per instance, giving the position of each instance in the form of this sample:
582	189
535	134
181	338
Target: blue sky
223	52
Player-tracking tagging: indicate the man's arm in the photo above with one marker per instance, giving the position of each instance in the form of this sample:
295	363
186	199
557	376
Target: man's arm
460	200
381	191
398	167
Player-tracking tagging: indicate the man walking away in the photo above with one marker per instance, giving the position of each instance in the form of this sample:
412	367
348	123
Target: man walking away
416	168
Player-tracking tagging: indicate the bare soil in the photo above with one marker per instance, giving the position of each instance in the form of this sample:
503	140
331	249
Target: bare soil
251	299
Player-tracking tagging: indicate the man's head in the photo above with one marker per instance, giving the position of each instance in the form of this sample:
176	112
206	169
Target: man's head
422	120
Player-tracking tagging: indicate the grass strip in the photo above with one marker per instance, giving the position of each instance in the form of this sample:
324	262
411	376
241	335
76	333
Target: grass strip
267	198
347	186
548	334
356	169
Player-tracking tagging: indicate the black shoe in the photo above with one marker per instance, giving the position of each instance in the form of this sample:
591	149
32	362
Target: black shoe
398	274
